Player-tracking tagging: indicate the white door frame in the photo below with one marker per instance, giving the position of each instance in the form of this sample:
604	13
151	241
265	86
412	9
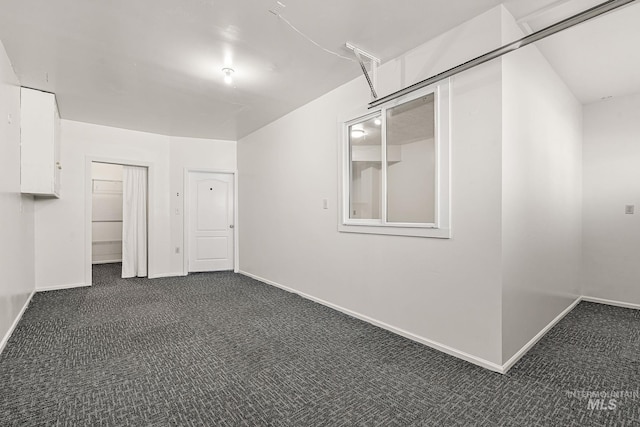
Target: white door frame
185	216
88	207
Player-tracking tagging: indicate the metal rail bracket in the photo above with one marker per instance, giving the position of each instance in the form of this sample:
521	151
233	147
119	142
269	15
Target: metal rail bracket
375	62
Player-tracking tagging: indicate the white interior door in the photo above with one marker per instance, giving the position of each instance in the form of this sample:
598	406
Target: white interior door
211	216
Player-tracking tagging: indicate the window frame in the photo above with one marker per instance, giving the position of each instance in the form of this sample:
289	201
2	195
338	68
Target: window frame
441	227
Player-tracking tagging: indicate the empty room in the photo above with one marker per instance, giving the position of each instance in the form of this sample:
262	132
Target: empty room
305	213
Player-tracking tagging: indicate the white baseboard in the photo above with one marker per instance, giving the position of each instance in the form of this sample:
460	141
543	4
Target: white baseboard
430	343
60	287
445	348
160	275
6	337
612	302
514	359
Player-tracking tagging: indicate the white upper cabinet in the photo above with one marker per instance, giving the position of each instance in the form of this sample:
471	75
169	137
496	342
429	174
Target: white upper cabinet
40	143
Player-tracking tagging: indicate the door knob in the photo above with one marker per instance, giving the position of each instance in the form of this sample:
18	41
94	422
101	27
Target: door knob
231	226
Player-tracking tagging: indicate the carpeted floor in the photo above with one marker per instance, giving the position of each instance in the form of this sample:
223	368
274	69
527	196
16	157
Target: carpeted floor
221	349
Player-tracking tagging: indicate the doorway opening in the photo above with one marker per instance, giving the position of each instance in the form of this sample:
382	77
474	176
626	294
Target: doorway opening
117	212
106	213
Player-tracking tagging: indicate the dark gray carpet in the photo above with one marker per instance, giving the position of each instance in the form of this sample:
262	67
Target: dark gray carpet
220	349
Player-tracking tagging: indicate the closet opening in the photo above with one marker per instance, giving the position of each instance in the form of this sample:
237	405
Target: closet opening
119	217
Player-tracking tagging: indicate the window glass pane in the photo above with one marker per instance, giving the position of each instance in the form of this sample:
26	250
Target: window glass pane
365	158
411	161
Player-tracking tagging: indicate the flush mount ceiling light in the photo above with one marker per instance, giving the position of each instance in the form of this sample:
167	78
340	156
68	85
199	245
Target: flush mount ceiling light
228	73
377	122
357	133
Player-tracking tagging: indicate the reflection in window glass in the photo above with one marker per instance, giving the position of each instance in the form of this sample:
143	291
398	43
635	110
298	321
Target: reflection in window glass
365	157
411	162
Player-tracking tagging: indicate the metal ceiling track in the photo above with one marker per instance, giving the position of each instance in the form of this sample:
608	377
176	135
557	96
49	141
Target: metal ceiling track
527	40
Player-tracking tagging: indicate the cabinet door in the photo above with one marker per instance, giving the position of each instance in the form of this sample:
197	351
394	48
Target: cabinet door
39	150
56	151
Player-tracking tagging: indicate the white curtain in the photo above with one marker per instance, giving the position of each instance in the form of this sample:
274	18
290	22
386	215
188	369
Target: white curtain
134	221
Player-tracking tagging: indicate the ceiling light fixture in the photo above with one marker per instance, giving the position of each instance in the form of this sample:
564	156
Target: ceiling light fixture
377	122
228	73
357	133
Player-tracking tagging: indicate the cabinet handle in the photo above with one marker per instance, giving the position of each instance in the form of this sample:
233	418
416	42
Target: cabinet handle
58	165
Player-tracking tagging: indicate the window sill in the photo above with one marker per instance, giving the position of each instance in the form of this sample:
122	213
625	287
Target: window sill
431	232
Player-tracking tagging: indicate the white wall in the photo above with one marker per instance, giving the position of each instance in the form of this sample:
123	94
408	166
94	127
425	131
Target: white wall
192	153
440	290
541	205
60	224
611	159
16	210
106	171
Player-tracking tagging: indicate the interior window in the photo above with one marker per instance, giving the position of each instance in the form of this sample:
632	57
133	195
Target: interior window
396	167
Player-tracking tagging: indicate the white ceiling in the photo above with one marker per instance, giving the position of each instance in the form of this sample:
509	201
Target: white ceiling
155	65
599	58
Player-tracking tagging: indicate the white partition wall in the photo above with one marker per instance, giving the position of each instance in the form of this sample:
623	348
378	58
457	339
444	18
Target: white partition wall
443	292
541	194
511	266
